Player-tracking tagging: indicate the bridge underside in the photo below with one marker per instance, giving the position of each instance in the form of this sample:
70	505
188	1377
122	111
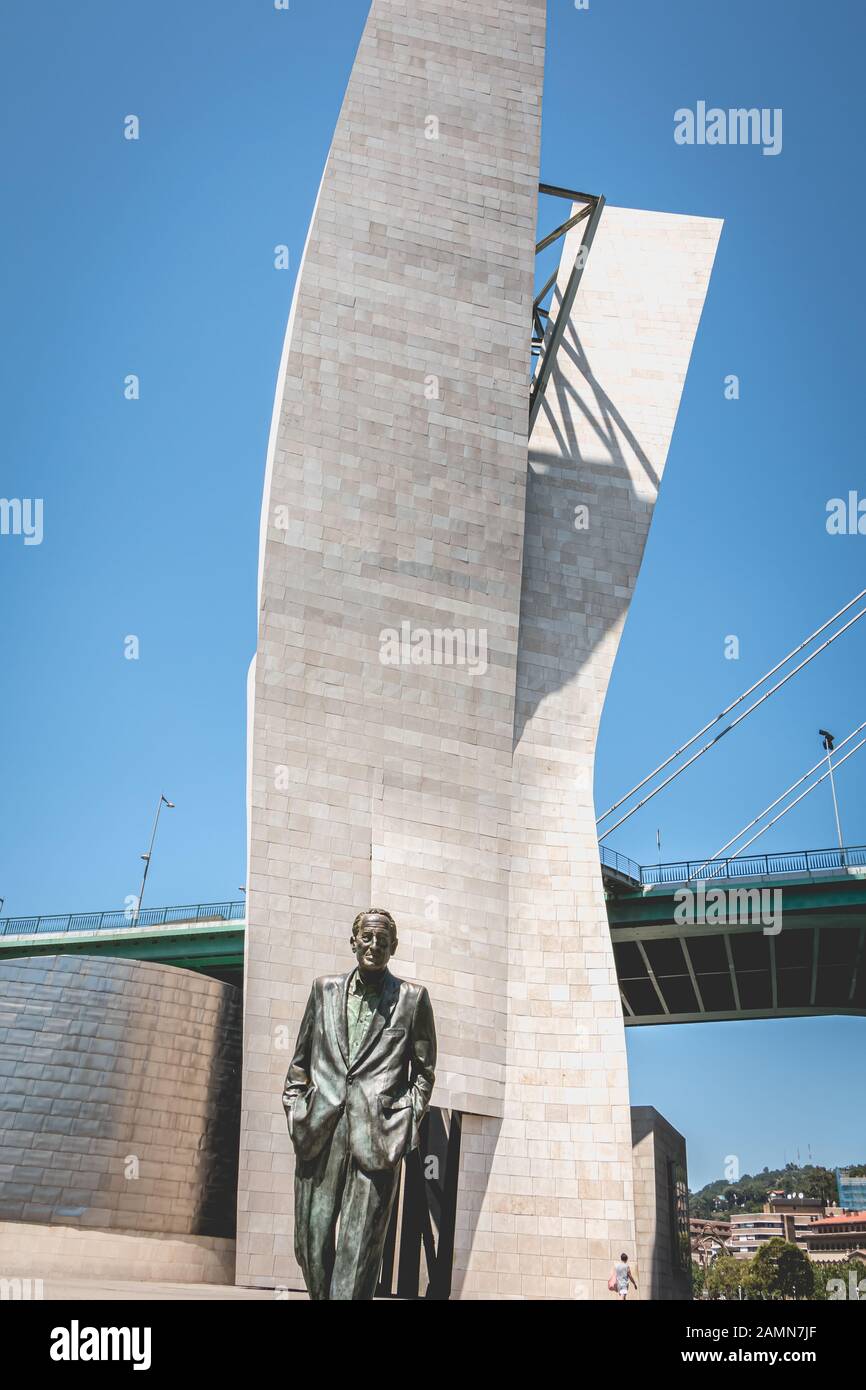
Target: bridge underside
806	958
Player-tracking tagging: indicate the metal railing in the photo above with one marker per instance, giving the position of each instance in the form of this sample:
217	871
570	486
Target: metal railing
620	863
754	865
117	920
647	875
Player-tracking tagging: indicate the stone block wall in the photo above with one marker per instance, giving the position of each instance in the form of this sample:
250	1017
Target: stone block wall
395	496
657	1267
401	511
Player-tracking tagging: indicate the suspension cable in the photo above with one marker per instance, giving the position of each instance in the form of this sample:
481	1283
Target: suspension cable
791	806
772	806
733	724
739	700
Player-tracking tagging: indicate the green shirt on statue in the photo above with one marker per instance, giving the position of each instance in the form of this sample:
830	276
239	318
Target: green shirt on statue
361	1002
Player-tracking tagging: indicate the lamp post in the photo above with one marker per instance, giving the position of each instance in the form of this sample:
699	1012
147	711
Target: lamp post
828	741
163	801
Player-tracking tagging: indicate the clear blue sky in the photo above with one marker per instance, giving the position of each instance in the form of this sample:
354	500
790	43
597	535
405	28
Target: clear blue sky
156	258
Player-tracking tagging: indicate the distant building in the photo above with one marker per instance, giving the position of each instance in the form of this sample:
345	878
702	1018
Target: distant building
786	1216
661	1200
837	1237
823	1233
852	1191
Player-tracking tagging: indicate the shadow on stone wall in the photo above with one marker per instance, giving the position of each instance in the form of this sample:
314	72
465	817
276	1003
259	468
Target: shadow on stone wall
581	612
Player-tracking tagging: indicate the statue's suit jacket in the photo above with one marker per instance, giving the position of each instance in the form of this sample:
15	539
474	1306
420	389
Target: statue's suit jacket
386	1089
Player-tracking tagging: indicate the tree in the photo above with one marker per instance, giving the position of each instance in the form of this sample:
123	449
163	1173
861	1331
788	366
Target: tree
726	1277
850	1273
781	1270
823	1185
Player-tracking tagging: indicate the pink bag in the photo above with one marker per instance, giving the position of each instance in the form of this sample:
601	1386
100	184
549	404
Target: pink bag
611	1283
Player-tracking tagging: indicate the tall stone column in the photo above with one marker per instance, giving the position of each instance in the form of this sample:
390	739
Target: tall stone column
436	634
546	1193
393	509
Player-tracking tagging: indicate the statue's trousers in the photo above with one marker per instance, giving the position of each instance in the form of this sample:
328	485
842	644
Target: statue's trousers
341	1264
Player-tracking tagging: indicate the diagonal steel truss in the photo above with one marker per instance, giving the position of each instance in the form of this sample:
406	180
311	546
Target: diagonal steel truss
547	330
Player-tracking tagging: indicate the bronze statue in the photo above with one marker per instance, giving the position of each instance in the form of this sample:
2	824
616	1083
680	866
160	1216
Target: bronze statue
356	1092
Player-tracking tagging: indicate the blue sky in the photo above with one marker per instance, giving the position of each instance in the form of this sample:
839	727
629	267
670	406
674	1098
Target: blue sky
155	257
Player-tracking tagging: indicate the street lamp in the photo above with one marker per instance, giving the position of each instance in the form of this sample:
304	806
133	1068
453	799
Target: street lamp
828	741
163	801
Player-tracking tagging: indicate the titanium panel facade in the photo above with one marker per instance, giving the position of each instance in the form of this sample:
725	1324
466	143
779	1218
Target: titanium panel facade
119	1096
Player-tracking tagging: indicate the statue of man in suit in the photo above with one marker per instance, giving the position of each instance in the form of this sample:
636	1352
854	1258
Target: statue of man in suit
356	1092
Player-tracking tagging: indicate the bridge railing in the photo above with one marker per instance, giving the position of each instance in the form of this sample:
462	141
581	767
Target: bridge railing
117	920
754	865
747	866
620	863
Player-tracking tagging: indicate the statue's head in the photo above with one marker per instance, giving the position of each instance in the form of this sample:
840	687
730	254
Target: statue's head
374	940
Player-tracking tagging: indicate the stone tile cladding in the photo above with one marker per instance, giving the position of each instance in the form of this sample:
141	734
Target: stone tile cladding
547	1190
458	795
398	454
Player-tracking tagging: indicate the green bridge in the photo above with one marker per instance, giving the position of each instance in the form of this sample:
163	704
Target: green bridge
775	936
803	955
207	937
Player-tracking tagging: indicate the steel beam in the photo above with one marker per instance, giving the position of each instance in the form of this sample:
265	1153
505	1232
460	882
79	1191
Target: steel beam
733	1015
563	228
816	945
692	976
652	977
557	332
858	961
731	971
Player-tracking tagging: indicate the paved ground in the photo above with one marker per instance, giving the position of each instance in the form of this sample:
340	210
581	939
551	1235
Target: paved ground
63	1288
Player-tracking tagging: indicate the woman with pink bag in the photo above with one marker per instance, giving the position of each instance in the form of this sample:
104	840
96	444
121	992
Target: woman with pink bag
619	1277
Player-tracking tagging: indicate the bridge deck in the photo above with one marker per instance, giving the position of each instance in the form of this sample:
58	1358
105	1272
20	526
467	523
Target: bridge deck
755	948
785	943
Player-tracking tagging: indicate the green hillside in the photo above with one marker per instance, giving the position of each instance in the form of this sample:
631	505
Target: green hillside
749	1192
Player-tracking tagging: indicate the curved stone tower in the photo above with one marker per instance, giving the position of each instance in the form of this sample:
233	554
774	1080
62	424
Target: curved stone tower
548	1202
435	637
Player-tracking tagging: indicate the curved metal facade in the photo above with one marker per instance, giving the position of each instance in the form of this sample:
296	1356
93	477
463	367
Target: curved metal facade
119	1096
